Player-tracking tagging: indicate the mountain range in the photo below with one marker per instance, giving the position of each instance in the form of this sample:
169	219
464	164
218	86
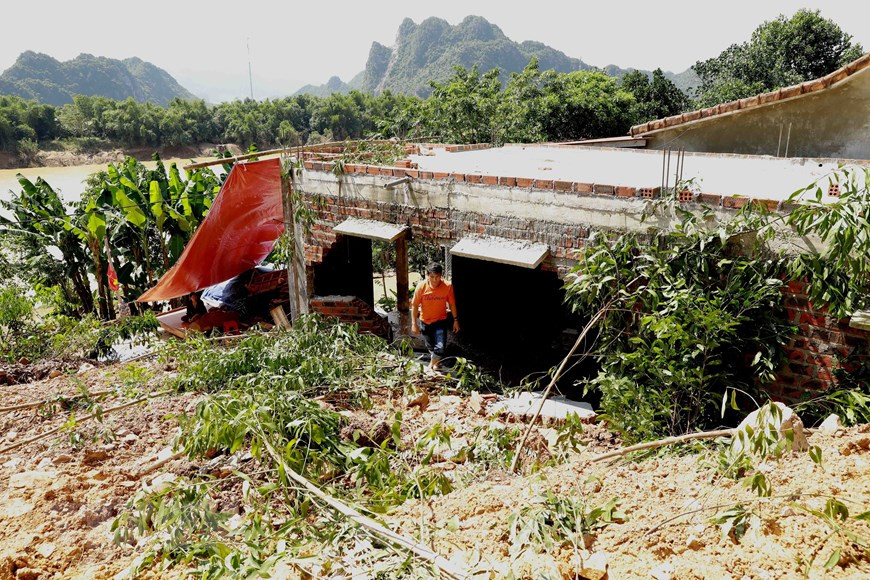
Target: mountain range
429	51
42	78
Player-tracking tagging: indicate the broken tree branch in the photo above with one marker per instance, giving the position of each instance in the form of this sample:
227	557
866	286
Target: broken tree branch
157	465
46	401
82	420
448	568
664	443
553	381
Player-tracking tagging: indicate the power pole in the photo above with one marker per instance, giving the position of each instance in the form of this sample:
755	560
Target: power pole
250	75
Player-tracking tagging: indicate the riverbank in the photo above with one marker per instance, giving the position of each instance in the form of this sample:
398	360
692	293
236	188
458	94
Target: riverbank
71	158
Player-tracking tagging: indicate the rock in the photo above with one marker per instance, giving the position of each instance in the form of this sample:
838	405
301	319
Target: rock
693	543
32	479
46	550
130	438
12	435
830	425
62	458
15	507
54	374
160	483
762	418
84	368
24	361
13	463
594	567
663	572
27	574
94	457
420	400
476	403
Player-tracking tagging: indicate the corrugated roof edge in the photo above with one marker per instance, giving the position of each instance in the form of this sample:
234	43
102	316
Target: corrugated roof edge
778	95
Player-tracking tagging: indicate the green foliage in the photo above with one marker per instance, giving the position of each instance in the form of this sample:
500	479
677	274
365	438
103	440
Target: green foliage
837	270
781	52
16	312
559	520
656	97
681	312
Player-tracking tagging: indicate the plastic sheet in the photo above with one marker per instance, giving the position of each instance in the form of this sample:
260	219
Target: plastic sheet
241	227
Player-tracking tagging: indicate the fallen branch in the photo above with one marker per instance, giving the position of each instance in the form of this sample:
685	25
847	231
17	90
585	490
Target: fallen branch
663	443
81	420
448	568
553	381
47	401
156	465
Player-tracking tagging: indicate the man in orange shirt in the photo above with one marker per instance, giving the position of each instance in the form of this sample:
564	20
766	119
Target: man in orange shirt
432	297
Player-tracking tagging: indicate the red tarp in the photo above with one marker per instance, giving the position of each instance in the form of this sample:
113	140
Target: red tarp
241	227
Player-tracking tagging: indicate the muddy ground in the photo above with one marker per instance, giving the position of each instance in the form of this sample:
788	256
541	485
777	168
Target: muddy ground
59	495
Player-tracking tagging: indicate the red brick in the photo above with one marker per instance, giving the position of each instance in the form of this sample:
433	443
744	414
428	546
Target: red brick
490	179
459	177
412	173
543	184
440	175
473	178
770	204
821	361
507	181
732	202
524	182
562	185
710	199
824	374
603	189
426	175
583	187
623	191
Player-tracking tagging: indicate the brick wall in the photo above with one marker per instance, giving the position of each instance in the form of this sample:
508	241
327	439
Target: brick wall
445	226
351	310
815	351
812	354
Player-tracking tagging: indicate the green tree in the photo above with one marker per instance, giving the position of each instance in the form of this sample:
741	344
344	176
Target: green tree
464	109
781	52
656	97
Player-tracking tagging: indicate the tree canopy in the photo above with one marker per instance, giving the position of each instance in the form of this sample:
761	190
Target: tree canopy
781	52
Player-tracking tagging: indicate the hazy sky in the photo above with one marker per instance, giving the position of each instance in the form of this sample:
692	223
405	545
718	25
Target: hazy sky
203	44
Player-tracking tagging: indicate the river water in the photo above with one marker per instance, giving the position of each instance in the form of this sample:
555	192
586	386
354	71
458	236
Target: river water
68	181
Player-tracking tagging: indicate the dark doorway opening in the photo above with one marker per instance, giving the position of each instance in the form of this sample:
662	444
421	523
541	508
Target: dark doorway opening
513	319
346	270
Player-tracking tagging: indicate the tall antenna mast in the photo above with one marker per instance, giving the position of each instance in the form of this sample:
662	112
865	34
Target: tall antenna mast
250	76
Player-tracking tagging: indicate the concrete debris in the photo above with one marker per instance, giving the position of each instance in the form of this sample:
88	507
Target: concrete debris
762	418
524	405
830	425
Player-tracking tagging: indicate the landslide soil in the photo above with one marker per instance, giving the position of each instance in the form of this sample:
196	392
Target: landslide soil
57	500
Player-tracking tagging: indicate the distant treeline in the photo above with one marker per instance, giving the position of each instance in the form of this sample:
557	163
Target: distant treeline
469	107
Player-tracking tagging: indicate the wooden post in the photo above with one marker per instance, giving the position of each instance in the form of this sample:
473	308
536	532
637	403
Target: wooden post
296	277
402	303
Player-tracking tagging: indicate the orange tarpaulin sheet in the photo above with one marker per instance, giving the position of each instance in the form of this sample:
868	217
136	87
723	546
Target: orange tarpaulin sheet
237	234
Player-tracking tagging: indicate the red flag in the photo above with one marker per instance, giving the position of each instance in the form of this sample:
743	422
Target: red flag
111	274
113	279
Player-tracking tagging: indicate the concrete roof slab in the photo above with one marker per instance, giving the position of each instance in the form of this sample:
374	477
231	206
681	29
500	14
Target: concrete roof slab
371	229
493	249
